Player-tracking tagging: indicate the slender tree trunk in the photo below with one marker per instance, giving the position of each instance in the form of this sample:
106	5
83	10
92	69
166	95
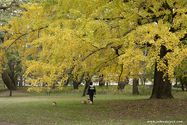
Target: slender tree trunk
182	83
101	81
176	83
21	81
185	82
66	82
135	87
86	86
10	91
54	85
162	86
144	80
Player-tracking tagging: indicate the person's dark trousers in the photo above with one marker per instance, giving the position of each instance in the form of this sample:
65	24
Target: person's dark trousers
91	97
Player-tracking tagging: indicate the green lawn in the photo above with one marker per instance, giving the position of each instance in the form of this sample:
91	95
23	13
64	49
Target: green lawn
110	108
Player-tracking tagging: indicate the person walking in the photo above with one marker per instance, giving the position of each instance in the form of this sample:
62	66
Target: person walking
91	91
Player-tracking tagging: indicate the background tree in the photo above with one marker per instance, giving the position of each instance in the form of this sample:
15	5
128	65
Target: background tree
180	73
135	86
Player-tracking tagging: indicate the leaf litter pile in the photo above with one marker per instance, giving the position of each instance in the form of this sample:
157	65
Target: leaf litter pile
157	109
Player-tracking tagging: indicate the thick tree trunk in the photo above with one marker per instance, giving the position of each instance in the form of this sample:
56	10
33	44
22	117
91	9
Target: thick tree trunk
7	81
76	82
135	87
12	74
121	85
162	86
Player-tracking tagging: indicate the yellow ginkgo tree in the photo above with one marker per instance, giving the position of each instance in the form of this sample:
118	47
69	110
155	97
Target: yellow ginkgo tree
13	70
108	37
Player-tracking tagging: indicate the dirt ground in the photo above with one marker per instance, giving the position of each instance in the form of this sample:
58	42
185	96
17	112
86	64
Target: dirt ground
6	123
14	93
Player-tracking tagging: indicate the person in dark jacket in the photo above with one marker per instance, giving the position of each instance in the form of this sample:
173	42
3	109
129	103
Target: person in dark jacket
91	91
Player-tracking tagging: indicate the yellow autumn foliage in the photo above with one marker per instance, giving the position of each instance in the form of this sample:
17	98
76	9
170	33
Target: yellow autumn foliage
97	36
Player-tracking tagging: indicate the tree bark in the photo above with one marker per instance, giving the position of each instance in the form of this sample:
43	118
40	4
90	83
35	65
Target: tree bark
1	38
185	82
135	87
121	84
54	85
66	82
101	81
144	80
176	83
162	86
182	83
77	82
86	86
10	91
7	81
21	81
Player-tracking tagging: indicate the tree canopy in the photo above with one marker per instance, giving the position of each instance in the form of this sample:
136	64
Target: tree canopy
109	37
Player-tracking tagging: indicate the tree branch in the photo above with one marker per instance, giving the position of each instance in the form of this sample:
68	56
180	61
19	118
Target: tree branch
3	21
24	35
4	8
113	18
185	37
96	51
88	42
128	32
